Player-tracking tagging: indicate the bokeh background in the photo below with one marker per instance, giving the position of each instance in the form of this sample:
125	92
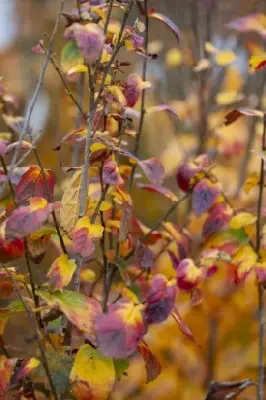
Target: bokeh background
224	324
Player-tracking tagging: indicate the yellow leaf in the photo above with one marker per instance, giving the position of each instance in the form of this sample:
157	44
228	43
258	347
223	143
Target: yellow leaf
87	275
246	257
209	47
225	57
77	68
173	58
242	219
70	203
95	230
224	98
257	62
252	180
61	271
92	375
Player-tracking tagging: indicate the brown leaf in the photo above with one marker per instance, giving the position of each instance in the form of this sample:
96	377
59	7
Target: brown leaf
70	203
227	390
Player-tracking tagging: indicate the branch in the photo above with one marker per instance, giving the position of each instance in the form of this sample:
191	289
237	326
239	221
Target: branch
26	125
143	94
260	287
33	321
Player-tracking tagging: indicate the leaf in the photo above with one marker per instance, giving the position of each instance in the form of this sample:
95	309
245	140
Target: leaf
144	256
167	21
6	371
227	390
182	325
234	115
152	365
203	196
70	203
121	365
78	308
158	189
188	274
244	259
70	56
119	331
83	234
160	299
92	375
33	184
241	220
153	170
27	366
110	173
257	62
11	250
225	57
60	365
160	108
174	58
252	22
25	220
252	181
61	271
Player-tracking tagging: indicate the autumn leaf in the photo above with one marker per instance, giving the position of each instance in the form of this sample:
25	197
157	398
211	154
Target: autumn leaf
27	367
152	365
167	21
70	56
242	219
204	195
25	220
227	390
92	375
257	62
61	271
234	115
160	299
252	181
78	308
158	189
11	250
84	234
119	331
33	183
245	260
182	325
6	371
70	203
144	256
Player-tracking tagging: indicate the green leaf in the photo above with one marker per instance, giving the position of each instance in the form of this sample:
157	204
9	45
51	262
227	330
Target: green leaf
79	309
60	366
240	235
70	56
121	365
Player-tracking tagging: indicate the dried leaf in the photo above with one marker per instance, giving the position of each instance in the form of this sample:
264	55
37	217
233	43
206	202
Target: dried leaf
182	325
70	203
152	365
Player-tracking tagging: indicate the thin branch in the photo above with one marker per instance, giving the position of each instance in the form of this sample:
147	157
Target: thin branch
26	125
143	94
260	287
84	179
159	222
33	321
95	213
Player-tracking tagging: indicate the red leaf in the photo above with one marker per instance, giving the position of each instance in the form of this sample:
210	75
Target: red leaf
234	115
32	184
11	250
152	365
182	325
25	219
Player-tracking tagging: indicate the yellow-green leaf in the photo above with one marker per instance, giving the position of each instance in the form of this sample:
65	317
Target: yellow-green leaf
92	375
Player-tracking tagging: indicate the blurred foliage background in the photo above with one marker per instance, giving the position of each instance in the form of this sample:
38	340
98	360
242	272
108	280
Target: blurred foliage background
224	324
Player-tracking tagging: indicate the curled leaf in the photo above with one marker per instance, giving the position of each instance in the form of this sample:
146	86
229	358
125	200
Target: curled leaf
152	365
61	271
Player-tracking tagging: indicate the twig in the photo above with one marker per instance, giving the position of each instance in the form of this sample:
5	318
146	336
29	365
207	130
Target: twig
34	99
33	321
66	86
159	222
260	287
84	179
212	343
143	94
79	8
27	258
95	213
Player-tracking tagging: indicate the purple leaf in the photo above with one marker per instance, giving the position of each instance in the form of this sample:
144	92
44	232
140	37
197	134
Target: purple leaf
204	195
